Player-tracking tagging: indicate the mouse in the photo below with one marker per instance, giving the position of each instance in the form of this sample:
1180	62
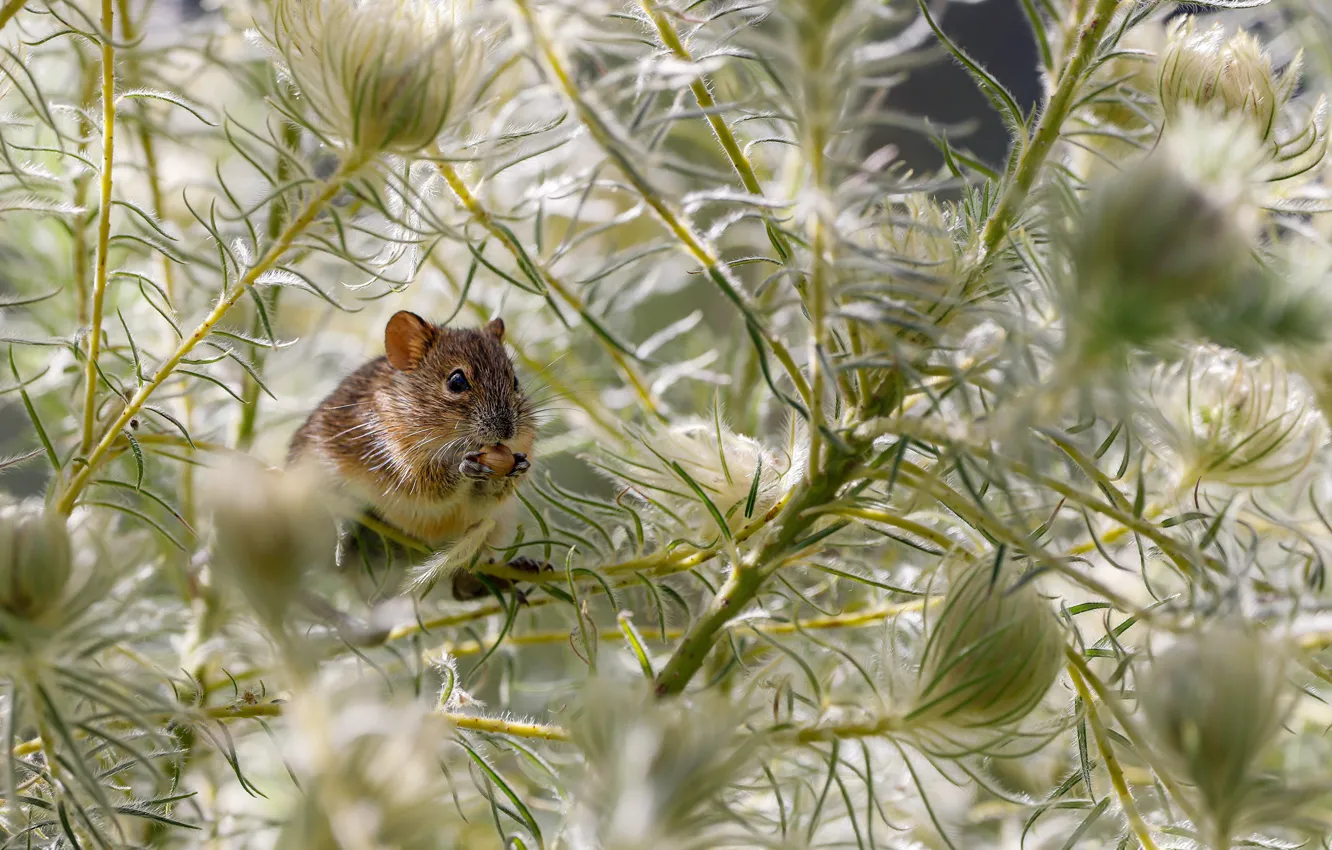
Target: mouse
433	437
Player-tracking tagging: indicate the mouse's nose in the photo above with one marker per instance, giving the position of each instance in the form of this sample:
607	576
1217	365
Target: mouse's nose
501	426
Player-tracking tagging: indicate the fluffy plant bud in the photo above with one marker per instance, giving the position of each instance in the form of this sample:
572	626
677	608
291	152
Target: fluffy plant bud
35	561
1204	69
1219	416
271	526
655	769
990	656
1214	702
926	261
371	777
382	75
1164	250
668	462
1151	245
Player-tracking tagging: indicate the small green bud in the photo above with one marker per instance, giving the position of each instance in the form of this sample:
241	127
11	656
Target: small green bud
990	657
1165	251
35	560
1151	245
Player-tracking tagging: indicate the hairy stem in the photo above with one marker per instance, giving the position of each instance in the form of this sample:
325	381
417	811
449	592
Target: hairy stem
1112	764
846	620
148	144
275	252
699	87
506	238
87	91
1144	750
103	226
678	227
748	574
1035	152
492	725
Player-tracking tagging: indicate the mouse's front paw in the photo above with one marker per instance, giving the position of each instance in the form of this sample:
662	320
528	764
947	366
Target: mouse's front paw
472	467
520	465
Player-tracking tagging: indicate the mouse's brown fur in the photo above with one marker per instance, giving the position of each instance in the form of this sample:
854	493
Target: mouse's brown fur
405	443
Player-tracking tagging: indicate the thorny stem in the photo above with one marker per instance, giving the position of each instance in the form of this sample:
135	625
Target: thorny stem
486	219
680	229
1034	153
275	252
1112	763
103	225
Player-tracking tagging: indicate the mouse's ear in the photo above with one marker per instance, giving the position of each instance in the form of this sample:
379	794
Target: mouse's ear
496	328
407	339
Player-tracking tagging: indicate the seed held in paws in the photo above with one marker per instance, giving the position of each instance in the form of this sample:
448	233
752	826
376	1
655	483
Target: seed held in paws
499	458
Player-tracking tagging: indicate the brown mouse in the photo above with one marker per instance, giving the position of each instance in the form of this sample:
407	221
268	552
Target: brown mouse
409	434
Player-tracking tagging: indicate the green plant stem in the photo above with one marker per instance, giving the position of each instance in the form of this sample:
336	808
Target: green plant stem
486	219
1112	767
846	620
1034	153
490	725
888	724
1145	751
673	222
818	306
148	144
103	225
87	90
703	96
251	394
275	252
748	574
9	10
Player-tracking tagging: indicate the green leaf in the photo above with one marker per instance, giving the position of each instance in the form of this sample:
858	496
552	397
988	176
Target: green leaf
526	816
138	460
635	641
33	417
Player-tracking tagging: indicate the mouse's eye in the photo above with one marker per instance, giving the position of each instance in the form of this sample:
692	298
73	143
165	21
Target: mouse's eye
457	382
515	383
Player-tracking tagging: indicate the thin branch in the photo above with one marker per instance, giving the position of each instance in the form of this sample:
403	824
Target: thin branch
270	258
1112	763
103	226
